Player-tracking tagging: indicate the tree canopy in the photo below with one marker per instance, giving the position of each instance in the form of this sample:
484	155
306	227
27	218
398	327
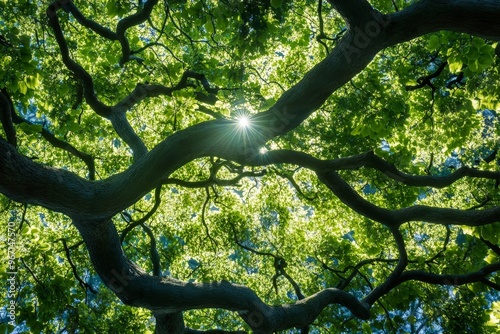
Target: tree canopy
264	166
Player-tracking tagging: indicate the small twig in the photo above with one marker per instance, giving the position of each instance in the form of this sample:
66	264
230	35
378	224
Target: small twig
83	284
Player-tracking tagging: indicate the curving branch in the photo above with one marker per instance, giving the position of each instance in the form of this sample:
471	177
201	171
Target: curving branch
82	283
142	220
132	20
447	279
6	115
344	282
153	251
115	114
125	131
91	204
292	181
445	245
143	91
279	267
385	287
394	218
203	219
212	181
88	84
136	288
49	136
90	24
426	80
321	34
492	246
37	280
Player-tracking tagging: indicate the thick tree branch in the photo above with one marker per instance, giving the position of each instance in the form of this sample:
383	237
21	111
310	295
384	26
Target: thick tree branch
478	18
91	204
393	218
447	279
356	12
74	195
174	324
134	287
92	25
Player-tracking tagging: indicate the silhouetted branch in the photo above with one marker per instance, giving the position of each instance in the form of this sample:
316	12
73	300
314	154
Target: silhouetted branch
212	180
279	266
153	251
52	139
33	275
88	84
447	279
134	224
6	111
397	217
82	283
94	26
127	22
491	245
426	80
387	285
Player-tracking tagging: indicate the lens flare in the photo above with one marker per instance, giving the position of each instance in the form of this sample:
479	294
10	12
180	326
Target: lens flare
243	121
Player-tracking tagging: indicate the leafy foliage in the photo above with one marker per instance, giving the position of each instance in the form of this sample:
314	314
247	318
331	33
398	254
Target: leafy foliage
428	106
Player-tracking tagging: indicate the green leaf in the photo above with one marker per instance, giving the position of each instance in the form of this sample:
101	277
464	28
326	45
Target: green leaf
209	26
32	82
398	106
472	53
455	64
23	88
30	129
276	3
434	42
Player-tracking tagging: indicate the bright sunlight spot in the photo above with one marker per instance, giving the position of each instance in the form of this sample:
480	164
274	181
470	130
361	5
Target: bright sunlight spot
243	121
263	150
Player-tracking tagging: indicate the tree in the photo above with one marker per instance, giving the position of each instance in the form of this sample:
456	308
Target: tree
227	166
